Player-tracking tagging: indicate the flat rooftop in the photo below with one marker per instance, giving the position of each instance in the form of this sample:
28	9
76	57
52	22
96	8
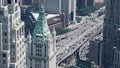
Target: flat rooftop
35	15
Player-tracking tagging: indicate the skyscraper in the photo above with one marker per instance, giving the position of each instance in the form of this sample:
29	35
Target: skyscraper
12	46
111	34
42	52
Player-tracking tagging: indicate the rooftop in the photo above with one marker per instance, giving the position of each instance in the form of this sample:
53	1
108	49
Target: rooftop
36	14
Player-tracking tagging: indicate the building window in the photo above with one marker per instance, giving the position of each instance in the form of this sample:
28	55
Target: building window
13	46
17	45
5	41
15	1
1	12
9	1
3	55
30	59
38	46
5	33
12	59
18	58
38	54
13	32
16	8
5	47
13	52
4	61
72	16
20	62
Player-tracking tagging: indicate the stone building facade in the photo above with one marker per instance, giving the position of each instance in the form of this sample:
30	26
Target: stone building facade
12	46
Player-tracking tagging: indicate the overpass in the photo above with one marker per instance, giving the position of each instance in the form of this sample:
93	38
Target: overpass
92	16
79	41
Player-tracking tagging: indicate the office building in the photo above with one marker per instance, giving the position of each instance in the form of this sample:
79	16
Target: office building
12	46
42	44
53	20
68	7
95	52
111	34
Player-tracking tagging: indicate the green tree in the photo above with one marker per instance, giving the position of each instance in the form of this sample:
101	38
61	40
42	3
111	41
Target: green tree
88	9
60	31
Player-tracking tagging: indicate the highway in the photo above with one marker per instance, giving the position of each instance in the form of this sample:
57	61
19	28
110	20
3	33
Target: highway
87	29
79	41
86	21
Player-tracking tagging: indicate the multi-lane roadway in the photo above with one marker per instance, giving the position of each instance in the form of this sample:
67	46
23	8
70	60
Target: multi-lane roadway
89	27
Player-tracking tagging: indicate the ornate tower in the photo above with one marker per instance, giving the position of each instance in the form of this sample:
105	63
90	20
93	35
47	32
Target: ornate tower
43	48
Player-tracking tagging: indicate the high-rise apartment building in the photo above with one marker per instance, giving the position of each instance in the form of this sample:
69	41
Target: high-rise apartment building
111	34
42	48
12	46
68	7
